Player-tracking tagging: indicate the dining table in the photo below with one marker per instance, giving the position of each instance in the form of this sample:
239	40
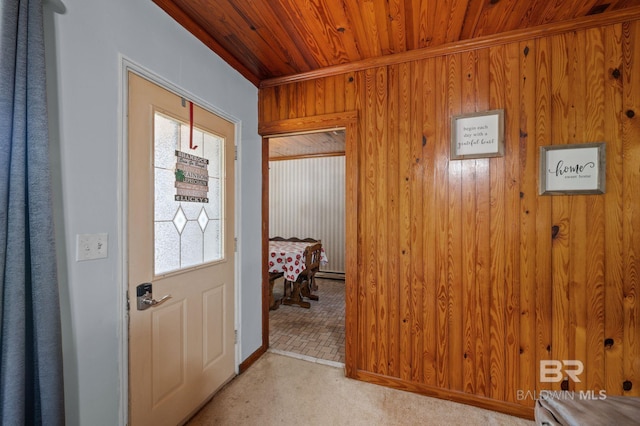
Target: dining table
288	257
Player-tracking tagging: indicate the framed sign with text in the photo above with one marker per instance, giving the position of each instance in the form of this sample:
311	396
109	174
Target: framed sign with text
572	169
477	135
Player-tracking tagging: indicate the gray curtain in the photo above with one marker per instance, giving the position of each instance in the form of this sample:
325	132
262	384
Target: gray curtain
31	387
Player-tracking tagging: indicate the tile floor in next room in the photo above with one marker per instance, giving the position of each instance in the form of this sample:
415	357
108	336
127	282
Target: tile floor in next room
317	332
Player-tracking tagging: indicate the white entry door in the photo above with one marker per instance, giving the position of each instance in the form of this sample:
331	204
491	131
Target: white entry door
181	245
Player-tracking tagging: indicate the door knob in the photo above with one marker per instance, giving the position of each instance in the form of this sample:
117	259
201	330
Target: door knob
145	300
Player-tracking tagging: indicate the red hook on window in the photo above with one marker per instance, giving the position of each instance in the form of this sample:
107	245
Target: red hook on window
191	126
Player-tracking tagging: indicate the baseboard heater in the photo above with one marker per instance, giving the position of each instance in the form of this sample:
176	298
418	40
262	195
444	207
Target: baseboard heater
330	275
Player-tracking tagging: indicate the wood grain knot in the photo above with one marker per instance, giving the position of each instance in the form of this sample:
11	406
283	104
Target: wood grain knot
630	113
548	348
526	50
350	79
608	343
598	9
564	385
616	73
555	229
424	140
627	385
341	29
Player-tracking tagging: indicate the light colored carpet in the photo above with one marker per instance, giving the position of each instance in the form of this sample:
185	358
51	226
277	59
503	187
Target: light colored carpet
280	390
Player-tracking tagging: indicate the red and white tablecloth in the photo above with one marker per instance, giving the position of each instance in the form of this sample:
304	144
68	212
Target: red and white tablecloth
287	257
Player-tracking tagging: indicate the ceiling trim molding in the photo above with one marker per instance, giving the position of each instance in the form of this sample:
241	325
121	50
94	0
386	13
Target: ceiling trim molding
608	18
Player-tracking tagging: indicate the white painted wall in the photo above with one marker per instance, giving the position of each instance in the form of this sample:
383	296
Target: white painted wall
85	40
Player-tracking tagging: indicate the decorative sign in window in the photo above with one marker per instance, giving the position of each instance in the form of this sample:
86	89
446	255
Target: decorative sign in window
192	178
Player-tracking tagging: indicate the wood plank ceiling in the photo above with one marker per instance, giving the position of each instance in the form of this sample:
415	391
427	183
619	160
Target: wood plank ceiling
267	39
322	144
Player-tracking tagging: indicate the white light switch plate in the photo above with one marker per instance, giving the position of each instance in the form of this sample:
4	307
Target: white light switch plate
91	246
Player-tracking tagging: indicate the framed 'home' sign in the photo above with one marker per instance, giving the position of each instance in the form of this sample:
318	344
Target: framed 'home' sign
572	169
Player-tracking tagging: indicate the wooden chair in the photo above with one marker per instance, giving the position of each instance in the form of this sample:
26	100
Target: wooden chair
303	286
316	266
312	283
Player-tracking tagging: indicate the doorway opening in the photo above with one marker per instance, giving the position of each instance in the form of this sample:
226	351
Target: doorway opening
307	180
321	134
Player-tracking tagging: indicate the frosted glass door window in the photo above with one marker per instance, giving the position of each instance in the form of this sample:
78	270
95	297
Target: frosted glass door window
188	175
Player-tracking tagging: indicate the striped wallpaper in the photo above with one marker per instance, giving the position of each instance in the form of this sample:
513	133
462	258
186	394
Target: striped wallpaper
306	199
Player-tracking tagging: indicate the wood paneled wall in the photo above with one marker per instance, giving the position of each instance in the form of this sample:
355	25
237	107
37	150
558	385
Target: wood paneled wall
466	278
